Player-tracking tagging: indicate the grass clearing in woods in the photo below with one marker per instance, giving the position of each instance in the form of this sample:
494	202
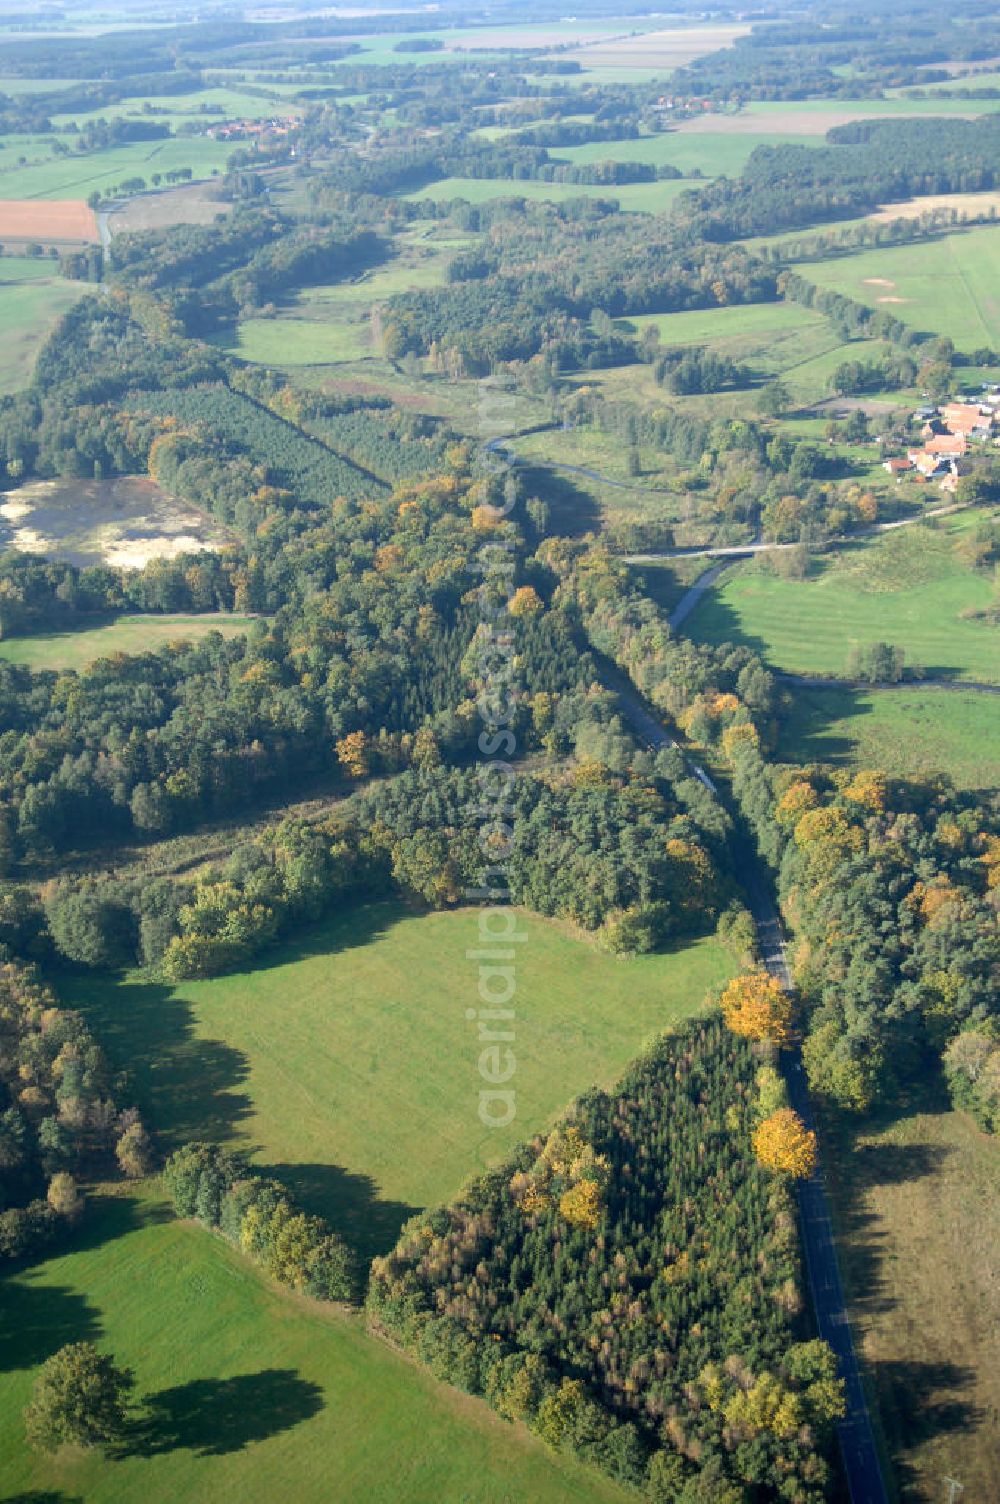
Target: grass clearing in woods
346	1058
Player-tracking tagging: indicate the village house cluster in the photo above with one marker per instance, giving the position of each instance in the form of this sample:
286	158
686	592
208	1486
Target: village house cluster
948	434
253	130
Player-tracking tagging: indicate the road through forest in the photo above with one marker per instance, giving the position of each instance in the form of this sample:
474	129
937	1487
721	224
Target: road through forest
855	1432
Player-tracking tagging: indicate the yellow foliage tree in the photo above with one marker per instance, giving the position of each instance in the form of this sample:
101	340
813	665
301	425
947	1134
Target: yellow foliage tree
580	1206
738	736
799	797
821	825
783	1143
352	753
525	601
756	1006
868	789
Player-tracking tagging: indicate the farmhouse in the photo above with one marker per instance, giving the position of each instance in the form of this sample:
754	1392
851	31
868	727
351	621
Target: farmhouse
925	464
897	466
948	446
969	418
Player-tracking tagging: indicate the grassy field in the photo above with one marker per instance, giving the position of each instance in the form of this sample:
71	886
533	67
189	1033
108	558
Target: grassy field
32	298
816	116
919	1218
645	198
347	1061
297	340
129	634
709	152
46	176
331	324
906	587
649	492
774	339
947	286
175	110
910	733
253	1394
754	324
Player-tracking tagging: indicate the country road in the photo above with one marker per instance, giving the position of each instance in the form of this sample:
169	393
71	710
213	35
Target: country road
747	550
855	1433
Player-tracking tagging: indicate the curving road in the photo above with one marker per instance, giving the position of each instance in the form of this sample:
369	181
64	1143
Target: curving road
860	1456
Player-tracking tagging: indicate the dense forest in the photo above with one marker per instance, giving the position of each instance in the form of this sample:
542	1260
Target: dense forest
629	1286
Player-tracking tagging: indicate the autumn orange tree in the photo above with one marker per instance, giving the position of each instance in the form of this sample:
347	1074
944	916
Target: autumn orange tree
782	1142
756	1006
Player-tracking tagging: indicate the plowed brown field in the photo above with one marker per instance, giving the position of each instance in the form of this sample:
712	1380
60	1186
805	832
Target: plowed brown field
46	220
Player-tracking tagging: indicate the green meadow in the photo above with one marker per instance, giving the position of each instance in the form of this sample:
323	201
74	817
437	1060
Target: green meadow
298	341
32	298
331	325
908	732
246	1386
76	176
346	1060
128	634
644	198
177	110
949	285
907	587
710	153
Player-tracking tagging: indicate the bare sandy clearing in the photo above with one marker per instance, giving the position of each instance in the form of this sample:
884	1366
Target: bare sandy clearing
125	522
971	204
878	282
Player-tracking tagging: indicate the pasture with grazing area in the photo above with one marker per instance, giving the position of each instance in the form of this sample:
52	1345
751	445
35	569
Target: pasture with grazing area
919	1221
908	587
32	298
947	285
644	198
908	732
44	176
347	1061
128	634
247	1387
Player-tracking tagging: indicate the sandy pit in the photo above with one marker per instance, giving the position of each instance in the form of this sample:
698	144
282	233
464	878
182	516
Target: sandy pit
124	522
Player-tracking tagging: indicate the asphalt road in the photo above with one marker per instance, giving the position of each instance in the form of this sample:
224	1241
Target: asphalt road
855	1434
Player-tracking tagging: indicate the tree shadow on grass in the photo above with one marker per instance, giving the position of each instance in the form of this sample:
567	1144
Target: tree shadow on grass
921	1402
349	929
572	510
896	1164
42	1496
36	1320
212	1417
349	1202
183	1084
